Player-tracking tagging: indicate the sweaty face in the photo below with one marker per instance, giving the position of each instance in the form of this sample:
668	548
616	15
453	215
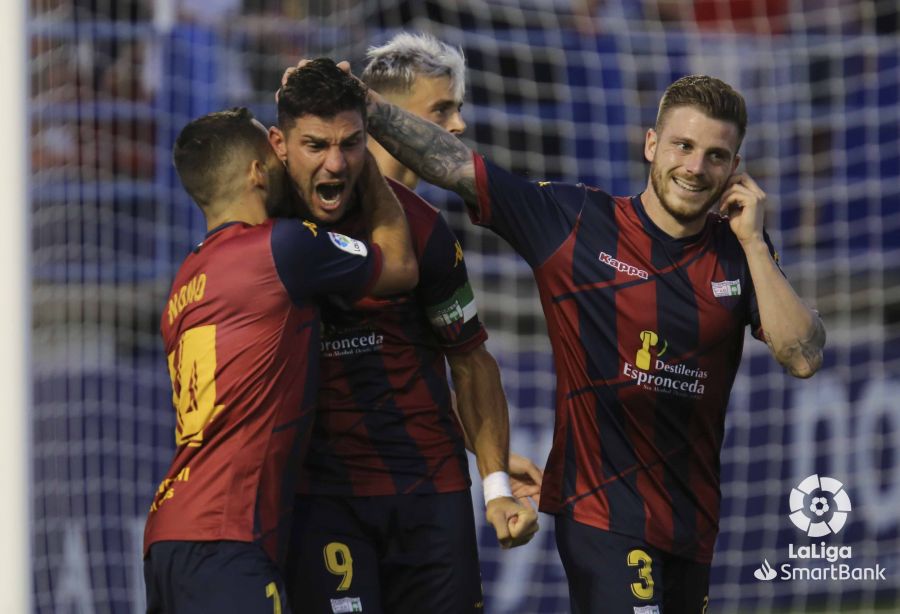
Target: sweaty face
432	98
324	157
691	159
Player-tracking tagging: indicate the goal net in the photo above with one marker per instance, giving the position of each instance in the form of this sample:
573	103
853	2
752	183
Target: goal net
557	89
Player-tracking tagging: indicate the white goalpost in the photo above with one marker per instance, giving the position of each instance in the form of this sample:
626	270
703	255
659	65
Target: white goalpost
15	323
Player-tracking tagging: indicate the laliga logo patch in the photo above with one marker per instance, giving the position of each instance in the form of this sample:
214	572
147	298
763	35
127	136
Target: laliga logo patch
345	243
813	499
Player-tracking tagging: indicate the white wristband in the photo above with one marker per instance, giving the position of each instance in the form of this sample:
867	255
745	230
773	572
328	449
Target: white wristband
496	485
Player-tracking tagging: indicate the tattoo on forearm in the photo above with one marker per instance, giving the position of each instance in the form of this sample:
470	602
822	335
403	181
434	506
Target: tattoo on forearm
808	348
431	152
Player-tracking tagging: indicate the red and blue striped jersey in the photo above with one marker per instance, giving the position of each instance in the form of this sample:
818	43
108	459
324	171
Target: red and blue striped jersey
647	333
241	332
385	424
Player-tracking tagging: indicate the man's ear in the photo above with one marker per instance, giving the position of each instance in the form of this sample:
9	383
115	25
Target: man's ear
258	175
650	142
278	142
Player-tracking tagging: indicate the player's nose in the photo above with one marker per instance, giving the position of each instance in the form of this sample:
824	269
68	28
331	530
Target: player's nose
695	163
456	125
335	160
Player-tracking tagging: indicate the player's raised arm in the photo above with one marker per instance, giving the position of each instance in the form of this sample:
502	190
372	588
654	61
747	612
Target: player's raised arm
434	154
794	332
389	230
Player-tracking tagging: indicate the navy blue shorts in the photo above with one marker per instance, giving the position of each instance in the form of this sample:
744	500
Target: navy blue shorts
221	577
613	573
393	554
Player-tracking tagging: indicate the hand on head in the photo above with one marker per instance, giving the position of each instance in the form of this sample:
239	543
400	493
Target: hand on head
343	65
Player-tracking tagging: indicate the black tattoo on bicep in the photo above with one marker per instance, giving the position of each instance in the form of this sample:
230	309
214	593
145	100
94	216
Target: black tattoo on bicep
431	152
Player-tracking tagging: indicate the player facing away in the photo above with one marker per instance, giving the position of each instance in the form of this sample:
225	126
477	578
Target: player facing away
427	77
383	518
241	332
646	299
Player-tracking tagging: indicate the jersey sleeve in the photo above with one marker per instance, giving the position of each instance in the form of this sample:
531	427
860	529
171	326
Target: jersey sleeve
445	292
535	218
755	324
313	261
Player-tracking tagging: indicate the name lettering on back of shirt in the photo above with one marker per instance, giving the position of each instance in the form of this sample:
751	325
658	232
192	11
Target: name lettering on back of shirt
191	292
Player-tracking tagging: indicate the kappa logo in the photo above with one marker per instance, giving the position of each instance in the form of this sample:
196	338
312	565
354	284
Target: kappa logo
457	254
623	267
813	499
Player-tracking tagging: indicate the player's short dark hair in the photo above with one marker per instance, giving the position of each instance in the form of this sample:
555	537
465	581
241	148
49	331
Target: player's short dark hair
713	96
207	147
320	89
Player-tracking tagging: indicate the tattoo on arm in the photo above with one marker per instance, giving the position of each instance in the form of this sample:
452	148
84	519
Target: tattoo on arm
431	152
808	350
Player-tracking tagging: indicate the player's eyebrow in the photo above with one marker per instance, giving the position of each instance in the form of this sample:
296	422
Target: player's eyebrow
312	138
722	151
321	140
446	103
353	137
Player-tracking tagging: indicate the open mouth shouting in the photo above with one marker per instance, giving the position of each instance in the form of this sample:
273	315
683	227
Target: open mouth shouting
330	194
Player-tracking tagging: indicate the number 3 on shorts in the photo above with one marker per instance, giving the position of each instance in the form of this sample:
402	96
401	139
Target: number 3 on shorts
339	562
642	560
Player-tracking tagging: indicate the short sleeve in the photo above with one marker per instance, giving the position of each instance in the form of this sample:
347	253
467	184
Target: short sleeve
313	261
755	323
446	293
535	218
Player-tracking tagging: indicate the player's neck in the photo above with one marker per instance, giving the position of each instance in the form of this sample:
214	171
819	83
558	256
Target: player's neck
391	167
248	210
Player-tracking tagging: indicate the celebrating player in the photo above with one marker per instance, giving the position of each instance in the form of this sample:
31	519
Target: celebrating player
241	331
646	300
425	76
384	517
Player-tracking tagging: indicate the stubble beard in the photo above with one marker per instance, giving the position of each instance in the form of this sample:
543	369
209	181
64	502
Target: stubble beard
683	217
